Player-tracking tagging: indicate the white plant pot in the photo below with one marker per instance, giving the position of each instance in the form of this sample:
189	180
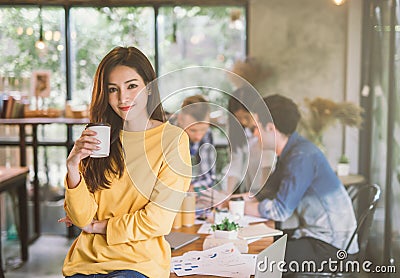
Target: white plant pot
225	234
343	169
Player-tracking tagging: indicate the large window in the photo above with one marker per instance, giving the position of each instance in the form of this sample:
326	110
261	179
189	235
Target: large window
200	36
19	59
119	26
187	36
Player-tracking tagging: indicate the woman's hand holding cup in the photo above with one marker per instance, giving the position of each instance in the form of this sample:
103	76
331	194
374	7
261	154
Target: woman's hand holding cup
90	142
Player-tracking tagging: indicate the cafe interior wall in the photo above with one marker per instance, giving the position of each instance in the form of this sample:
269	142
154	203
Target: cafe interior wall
311	49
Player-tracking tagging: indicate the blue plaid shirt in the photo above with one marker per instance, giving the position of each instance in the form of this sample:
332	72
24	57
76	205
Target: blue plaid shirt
203	162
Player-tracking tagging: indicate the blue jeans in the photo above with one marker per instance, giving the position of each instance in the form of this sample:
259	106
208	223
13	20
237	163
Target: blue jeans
114	274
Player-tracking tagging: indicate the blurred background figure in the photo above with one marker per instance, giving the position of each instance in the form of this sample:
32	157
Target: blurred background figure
303	184
244	170
194	118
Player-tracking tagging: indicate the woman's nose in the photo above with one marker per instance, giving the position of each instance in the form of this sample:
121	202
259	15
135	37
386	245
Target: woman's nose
123	96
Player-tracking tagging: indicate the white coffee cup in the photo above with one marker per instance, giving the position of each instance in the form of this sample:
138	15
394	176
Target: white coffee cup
103	135
236	208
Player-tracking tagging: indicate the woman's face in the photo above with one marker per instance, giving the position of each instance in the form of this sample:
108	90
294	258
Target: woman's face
245	118
127	93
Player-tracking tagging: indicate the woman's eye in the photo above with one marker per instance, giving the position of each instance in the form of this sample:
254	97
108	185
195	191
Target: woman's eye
112	90
132	86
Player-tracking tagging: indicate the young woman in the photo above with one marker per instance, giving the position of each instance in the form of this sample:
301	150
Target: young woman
125	203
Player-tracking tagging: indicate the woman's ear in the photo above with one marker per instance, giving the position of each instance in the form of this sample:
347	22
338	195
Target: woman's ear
148	89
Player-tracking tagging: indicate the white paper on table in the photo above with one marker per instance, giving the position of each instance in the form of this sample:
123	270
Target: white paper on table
205	228
176	262
224	261
199	262
257	231
182	267
241	267
247	219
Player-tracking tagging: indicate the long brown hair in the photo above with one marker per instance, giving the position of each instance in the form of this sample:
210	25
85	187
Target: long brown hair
98	172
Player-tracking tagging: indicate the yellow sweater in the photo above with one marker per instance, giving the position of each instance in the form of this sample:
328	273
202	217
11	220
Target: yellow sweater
140	206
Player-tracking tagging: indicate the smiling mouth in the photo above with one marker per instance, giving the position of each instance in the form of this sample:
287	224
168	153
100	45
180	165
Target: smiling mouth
126	108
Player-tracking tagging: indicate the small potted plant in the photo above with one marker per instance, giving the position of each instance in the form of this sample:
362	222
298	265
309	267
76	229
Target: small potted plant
226	229
343	167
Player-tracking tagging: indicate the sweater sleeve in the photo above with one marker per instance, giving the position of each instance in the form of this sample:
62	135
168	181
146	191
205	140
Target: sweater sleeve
156	218
79	204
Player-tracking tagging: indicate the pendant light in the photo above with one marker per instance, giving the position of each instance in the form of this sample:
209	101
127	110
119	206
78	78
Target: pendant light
40	44
338	2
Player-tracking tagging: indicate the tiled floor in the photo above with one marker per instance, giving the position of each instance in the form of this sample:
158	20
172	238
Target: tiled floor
46	256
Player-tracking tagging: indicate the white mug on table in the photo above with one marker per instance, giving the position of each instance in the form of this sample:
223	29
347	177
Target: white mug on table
236	207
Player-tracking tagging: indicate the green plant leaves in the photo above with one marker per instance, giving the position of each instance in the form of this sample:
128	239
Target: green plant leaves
225	225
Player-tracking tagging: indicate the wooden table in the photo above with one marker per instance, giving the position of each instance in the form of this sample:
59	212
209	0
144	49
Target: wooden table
14	178
254	248
352	179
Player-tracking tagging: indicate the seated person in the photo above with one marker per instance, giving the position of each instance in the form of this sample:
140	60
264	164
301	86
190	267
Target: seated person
245	170
303	183
194	118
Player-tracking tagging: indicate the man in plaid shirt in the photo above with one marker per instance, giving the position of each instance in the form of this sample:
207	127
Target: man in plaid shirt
194	118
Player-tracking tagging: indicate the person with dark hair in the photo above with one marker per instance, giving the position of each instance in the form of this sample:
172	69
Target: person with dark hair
125	203
194	118
245	171
303	184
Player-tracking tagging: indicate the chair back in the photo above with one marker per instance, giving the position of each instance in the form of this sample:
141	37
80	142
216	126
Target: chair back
365	200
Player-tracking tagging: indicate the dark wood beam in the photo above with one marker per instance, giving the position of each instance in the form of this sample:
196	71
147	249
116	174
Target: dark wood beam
123	2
